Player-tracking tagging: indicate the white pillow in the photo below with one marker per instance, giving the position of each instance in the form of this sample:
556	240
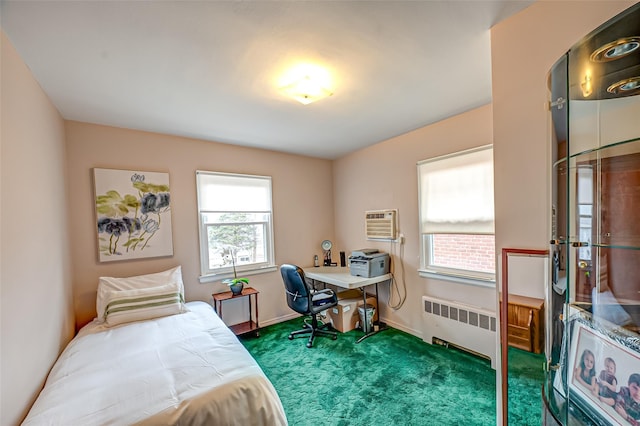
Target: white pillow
108	284
141	304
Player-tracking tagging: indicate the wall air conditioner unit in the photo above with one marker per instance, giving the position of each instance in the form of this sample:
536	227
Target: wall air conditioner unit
381	224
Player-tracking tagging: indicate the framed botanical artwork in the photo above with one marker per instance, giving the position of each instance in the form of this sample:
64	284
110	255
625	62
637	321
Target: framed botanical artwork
133	214
604	375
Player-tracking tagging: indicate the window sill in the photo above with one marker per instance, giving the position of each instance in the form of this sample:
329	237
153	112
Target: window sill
204	279
480	282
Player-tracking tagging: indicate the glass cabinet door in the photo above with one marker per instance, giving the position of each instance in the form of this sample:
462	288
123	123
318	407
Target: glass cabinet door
593	302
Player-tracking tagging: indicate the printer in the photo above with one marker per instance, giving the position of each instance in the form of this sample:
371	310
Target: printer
368	263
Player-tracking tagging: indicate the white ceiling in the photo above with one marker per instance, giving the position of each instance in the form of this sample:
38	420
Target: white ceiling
209	69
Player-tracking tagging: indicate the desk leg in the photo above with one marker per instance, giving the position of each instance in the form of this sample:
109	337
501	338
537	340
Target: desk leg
314	282
381	326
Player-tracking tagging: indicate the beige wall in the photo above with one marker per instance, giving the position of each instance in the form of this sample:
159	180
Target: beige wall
36	310
302	203
384	176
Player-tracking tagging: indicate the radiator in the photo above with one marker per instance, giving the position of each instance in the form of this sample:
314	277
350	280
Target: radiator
467	327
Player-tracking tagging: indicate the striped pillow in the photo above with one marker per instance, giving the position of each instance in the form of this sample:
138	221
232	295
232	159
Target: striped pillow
107	285
140	304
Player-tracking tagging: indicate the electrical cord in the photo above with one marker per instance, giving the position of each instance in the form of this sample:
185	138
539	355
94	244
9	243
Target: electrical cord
394	287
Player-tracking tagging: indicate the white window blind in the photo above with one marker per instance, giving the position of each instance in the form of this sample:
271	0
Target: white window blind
456	193
233	193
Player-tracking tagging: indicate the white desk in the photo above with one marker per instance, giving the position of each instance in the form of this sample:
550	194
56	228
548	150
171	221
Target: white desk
341	277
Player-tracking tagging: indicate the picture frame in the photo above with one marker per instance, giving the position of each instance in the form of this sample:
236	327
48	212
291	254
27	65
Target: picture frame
133	214
586	389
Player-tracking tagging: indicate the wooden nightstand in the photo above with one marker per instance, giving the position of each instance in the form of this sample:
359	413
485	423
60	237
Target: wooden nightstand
243	327
526	323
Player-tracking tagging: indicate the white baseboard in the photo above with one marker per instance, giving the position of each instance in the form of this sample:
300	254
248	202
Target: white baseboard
280	319
402	327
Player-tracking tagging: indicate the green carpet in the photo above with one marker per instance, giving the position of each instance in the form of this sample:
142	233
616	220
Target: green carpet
391	378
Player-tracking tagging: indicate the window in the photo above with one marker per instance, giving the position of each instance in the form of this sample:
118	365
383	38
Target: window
456	216
236	226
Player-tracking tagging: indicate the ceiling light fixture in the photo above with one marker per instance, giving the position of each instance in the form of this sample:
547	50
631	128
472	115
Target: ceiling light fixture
306	84
306	90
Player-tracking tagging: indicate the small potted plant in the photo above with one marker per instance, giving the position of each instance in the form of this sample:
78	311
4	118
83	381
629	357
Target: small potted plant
235	284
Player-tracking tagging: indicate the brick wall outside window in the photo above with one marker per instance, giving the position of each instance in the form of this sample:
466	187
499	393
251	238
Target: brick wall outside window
460	251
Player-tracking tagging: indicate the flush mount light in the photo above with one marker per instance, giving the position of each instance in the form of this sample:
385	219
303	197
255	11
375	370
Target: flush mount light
306	90
306	84
625	86
616	49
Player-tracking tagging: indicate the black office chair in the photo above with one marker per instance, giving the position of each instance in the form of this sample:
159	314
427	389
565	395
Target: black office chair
304	299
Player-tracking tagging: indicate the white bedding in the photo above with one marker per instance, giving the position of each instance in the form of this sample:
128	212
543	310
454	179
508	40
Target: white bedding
187	369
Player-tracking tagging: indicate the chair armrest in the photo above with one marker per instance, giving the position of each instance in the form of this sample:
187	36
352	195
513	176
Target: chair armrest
320	297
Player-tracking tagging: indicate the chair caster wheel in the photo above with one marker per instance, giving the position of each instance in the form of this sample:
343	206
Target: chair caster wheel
309	344
334	337
290	337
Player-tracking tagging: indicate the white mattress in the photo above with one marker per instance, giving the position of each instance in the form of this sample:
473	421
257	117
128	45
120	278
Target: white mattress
187	369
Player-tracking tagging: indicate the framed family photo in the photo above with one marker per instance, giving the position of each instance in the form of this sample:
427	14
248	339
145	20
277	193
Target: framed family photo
604	376
133	214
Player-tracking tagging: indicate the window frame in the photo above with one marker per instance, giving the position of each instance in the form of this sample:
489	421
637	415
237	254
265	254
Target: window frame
208	274
427	268
465	276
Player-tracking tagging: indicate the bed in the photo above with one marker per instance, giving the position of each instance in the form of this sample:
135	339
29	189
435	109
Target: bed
183	368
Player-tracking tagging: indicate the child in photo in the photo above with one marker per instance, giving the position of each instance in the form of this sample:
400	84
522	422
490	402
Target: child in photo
628	400
585	373
607	383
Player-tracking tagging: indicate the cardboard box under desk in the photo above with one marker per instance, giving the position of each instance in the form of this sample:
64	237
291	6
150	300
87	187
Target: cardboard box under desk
344	315
349	294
